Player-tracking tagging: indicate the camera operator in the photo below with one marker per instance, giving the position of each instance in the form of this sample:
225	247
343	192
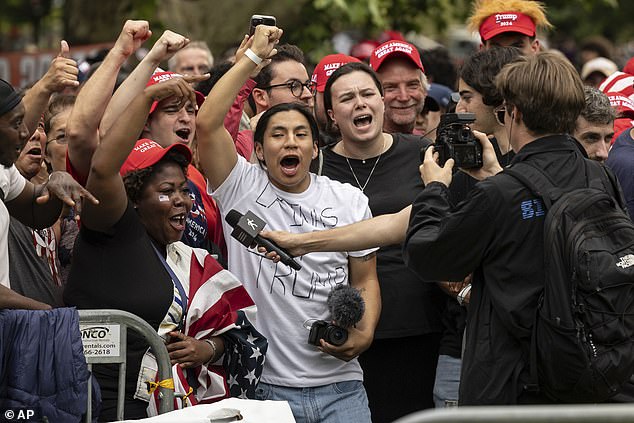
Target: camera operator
496	233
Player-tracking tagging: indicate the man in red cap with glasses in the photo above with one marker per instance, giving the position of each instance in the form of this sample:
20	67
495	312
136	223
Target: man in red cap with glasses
509	23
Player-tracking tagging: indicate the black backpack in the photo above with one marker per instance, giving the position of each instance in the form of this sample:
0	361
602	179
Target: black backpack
582	345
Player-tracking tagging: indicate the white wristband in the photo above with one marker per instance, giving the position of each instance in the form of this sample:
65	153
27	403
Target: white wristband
254	57
462	295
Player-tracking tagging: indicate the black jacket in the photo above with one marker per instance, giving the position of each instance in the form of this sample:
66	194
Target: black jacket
496	233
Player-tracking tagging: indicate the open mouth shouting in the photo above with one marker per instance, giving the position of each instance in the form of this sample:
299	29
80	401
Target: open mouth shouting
290	164
362	121
183	134
178	221
35	153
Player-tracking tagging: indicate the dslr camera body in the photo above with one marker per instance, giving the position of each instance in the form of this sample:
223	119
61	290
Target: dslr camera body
333	334
454	140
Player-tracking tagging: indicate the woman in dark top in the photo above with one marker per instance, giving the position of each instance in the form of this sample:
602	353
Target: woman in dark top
127	257
385	167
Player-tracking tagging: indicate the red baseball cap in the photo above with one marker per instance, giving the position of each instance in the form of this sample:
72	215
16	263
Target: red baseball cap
363	49
395	48
327	66
506	22
158	77
147	153
624	106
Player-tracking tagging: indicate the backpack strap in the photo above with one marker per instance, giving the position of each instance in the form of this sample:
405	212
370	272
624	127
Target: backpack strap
601	178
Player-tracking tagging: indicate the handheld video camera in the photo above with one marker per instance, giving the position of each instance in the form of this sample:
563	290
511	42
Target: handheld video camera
454	140
333	334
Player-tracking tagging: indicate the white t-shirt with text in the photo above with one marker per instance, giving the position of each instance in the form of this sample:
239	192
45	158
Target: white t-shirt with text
287	299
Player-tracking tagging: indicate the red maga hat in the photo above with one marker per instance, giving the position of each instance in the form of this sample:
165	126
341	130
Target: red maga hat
395	48
147	153
158	77
327	66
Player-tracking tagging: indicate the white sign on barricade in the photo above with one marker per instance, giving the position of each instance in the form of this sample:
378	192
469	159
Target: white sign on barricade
101	340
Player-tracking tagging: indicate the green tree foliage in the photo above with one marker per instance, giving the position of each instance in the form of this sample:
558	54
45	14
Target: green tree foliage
320	19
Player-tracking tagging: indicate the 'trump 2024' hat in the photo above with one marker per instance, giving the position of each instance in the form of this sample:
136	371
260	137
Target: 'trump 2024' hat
507	22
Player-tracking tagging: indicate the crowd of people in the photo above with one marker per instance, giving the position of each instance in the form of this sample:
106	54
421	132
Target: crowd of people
116	192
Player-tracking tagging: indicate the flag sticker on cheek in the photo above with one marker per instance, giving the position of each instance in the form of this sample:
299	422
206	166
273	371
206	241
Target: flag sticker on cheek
163	197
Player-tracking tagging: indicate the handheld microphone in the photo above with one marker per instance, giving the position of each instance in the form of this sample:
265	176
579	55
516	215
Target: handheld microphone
346	305
246	229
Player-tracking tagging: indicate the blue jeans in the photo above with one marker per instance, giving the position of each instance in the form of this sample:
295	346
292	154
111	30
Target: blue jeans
341	402
447	381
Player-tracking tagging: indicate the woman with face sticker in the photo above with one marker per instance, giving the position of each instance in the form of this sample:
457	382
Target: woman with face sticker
128	256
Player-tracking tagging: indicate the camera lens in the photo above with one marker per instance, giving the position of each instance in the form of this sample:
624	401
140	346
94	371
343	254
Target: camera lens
336	335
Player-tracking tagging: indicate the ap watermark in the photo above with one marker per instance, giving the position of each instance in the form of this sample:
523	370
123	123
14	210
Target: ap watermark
17	414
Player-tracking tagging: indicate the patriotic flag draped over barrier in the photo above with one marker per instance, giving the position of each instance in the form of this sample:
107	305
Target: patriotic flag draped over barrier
218	304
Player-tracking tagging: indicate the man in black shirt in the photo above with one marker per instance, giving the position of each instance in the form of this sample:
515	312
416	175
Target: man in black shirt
489	236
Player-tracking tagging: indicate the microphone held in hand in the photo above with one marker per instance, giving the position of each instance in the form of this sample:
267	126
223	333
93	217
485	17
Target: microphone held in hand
246	229
346	305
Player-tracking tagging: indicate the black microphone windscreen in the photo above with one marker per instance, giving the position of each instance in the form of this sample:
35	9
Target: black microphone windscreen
233	217
346	305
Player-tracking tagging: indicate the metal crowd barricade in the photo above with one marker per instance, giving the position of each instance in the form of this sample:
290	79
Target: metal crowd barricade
570	413
104	334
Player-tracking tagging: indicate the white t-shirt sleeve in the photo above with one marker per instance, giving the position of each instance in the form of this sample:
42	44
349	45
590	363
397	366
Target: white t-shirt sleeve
239	183
11	183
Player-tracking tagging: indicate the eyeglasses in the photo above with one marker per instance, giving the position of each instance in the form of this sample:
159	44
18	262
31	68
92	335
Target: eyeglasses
61	139
296	87
499	113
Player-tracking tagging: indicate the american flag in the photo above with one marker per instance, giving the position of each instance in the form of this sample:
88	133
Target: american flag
218	304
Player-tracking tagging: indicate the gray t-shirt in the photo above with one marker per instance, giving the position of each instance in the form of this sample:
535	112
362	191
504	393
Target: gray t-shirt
30	273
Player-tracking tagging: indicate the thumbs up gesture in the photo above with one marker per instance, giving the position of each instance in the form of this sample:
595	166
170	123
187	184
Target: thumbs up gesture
63	71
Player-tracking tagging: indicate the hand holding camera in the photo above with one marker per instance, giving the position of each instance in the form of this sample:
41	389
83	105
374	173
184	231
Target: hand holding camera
490	166
346	306
455	140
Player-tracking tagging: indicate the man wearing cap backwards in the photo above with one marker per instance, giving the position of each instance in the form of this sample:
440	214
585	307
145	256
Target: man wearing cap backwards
398	66
37	206
506	23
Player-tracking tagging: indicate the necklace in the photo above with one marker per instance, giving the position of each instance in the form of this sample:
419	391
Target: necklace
354	175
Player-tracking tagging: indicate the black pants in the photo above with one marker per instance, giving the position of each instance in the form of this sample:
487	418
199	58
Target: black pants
399	375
